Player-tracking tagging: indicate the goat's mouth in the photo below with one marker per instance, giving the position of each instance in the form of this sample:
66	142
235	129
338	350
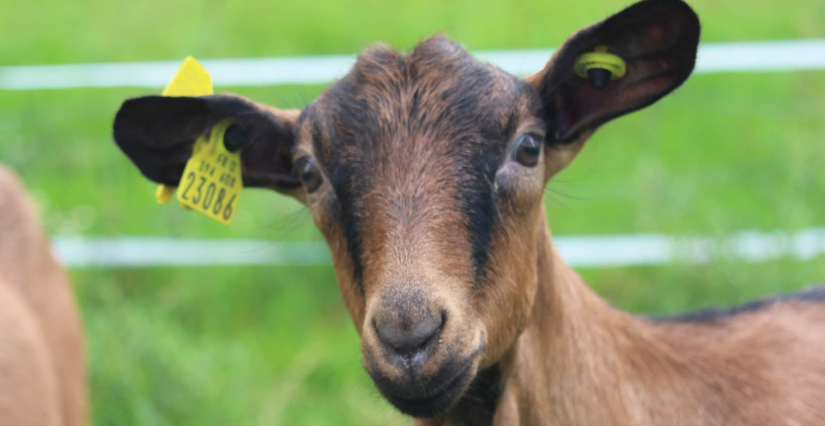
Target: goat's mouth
430	396
434	401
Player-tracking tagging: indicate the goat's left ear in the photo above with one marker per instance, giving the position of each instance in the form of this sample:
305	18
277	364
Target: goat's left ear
157	134
657	39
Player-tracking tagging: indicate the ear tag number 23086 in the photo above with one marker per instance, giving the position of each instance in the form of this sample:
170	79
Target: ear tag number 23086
211	182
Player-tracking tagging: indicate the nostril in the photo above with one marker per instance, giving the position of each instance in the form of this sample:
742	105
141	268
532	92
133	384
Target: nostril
405	340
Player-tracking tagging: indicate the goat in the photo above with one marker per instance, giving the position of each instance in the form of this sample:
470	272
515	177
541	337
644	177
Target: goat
42	361
425	172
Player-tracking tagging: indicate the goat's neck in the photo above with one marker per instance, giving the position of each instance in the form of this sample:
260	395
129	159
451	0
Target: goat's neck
574	344
583	362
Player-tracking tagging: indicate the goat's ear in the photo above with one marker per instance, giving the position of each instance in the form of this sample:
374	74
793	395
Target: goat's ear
157	134
657	39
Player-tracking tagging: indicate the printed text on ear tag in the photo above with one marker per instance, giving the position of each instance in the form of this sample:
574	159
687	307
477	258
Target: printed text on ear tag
212	182
191	79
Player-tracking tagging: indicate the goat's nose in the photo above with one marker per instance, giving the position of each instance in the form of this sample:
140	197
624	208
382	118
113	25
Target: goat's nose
406	337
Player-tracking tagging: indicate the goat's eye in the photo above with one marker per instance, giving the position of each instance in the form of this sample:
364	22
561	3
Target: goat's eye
527	151
309	174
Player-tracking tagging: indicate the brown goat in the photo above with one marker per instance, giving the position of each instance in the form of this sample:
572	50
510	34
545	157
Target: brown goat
42	365
426	173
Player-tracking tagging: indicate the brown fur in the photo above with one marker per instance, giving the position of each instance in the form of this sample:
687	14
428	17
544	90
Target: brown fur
431	218
413	233
606	367
568	357
42	366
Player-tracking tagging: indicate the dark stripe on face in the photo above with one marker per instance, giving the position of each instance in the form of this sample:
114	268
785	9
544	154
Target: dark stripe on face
347	192
468	123
475	196
478	200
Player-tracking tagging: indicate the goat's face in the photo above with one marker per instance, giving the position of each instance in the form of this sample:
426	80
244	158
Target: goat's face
425	173
426	176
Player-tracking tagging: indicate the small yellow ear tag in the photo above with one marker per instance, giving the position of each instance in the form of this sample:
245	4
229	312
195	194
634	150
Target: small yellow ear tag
164	193
600	59
212	182
191	79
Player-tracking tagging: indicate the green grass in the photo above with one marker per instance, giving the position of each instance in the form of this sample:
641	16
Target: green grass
224	346
57	31
274	345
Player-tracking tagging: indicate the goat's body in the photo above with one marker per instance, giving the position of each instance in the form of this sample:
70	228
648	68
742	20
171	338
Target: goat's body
761	364
426	172
42	368
814	294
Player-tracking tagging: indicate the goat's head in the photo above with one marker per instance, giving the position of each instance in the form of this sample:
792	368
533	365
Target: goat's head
425	173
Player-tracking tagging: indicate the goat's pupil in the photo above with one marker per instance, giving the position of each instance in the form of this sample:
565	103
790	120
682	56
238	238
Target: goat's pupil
527	151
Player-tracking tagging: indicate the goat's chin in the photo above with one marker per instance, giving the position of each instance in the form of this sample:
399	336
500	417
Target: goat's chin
430	397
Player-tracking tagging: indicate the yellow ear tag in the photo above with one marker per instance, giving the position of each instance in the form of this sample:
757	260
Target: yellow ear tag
164	193
191	79
212	182
600	59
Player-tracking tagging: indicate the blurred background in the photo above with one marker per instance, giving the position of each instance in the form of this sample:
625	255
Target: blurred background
267	344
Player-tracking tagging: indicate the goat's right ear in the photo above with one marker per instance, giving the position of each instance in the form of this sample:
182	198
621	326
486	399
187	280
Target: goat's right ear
157	133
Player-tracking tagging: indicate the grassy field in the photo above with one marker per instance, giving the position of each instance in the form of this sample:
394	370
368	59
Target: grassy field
274	345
